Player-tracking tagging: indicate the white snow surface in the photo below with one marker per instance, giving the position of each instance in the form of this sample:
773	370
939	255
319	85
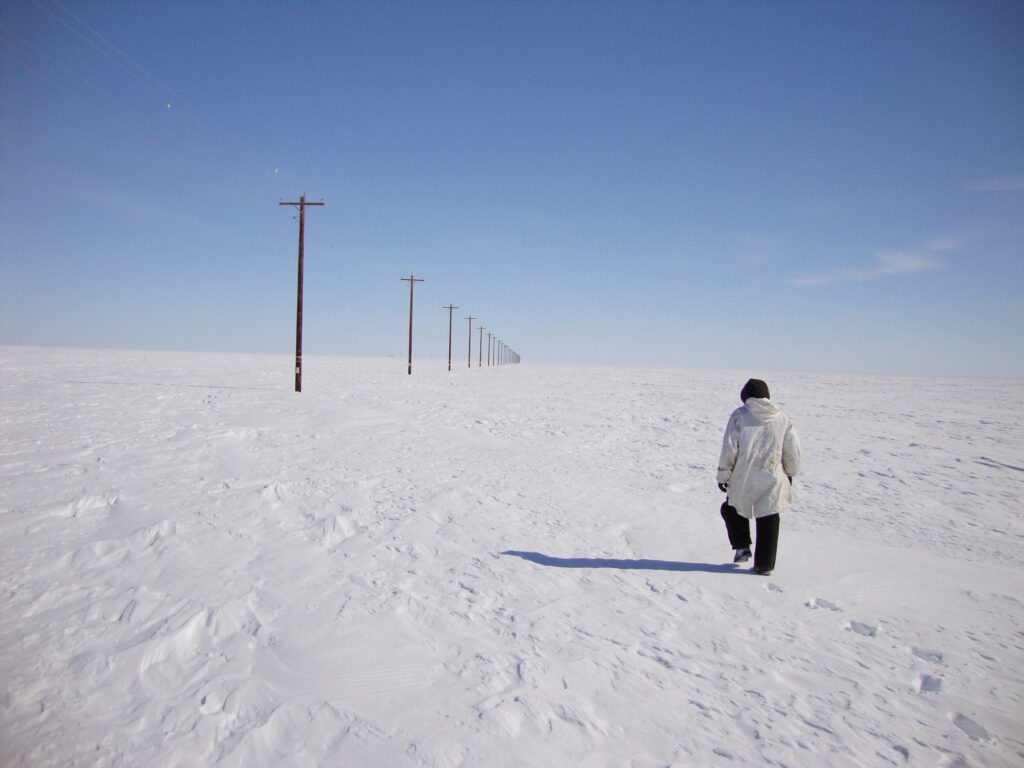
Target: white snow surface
516	566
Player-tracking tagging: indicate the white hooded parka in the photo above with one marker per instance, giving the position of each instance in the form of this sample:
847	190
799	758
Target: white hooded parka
760	448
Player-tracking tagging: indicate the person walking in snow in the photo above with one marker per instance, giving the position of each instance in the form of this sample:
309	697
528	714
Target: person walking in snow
760	457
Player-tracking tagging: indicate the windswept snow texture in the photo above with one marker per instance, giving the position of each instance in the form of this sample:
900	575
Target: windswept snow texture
522	566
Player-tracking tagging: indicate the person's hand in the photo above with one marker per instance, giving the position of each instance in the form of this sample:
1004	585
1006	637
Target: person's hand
724	487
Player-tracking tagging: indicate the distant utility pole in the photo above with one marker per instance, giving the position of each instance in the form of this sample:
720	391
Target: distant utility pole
298	312
469	353
480	356
412	280
489	349
450	307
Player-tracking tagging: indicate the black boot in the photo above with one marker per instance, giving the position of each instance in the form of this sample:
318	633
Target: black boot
737	526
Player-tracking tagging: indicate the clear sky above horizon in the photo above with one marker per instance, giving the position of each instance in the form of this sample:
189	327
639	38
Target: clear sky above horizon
794	186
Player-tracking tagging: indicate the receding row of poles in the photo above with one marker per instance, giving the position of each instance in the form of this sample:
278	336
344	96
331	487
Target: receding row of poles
498	353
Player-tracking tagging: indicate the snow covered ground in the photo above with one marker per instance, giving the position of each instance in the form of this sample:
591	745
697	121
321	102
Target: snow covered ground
508	567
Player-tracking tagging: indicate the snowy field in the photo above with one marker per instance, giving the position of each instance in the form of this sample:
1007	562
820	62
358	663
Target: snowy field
508	567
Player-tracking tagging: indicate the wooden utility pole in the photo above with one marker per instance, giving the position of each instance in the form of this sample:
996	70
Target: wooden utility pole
480	355
298	311
469	348
450	307
412	280
489	349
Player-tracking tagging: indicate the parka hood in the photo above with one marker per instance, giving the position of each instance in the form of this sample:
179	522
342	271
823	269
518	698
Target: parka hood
761	407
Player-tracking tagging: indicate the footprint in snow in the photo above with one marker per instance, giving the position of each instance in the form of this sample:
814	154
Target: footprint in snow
275	493
929	684
972	728
935	657
817	602
772	587
867	630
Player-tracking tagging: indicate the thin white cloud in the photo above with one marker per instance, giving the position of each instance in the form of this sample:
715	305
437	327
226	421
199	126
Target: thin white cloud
1013	182
886	264
943	245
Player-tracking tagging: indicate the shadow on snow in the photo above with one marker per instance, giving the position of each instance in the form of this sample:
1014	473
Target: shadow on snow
625	565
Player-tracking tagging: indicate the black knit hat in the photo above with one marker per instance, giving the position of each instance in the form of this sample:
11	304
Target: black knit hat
754	388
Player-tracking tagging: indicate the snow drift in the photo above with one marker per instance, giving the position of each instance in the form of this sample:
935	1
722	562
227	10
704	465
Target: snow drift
521	566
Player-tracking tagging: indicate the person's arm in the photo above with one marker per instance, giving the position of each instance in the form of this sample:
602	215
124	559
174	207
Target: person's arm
730	449
792	461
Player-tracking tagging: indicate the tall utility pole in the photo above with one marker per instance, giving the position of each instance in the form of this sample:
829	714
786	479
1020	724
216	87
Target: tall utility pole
469	353
450	307
480	355
298	311
412	280
489	349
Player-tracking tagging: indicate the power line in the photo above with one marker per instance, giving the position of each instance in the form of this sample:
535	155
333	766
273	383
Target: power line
143	75
54	84
102	91
146	78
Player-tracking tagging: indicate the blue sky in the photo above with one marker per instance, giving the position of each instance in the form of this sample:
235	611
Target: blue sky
759	186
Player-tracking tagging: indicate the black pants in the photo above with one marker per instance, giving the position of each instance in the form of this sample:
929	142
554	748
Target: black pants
767	535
